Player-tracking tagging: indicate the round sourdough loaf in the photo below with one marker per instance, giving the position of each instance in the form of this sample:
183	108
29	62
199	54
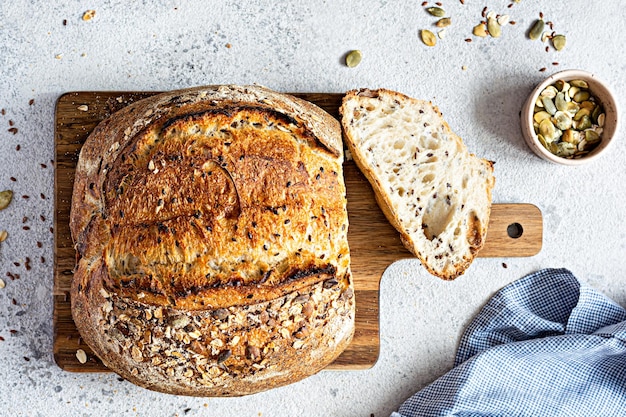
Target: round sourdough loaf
211	233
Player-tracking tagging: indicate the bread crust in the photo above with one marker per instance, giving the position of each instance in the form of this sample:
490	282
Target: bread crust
476	229
211	233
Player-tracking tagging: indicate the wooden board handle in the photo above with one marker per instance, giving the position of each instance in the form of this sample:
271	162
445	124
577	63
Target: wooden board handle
515	230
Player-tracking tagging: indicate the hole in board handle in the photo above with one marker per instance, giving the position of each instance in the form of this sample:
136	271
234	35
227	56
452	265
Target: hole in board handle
515	230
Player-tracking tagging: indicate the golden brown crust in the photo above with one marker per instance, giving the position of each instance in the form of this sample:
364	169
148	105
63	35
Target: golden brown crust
213	199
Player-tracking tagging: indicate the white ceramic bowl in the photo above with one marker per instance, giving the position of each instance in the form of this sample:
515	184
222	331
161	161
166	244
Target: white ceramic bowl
599	90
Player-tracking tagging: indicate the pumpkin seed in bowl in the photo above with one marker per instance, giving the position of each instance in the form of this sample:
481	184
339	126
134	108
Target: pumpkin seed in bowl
570	118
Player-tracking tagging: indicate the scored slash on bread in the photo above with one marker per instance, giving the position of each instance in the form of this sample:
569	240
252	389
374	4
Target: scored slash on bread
430	188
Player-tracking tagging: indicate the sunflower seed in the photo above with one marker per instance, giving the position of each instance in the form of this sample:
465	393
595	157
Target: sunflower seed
136	354
81	356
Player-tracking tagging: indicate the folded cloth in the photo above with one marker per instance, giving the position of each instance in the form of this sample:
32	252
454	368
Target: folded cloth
545	345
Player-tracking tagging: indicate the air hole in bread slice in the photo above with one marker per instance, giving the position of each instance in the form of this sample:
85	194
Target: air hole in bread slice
432	144
428	178
399	144
465	181
437	218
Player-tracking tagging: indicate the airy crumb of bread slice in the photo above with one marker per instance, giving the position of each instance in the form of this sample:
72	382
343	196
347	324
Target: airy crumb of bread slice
431	189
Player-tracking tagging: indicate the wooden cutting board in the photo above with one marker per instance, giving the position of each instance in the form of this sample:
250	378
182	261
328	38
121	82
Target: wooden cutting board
374	244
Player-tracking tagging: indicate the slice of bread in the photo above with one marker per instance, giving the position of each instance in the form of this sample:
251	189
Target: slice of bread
431	189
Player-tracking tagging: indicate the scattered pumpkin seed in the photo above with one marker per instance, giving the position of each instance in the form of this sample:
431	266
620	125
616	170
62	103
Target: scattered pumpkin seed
537	29
443	22
494	28
436	11
428	37
480	30
5	198
353	58
2	283
559	41
3	235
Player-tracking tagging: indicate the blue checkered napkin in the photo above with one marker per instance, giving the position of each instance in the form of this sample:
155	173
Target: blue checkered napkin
544	345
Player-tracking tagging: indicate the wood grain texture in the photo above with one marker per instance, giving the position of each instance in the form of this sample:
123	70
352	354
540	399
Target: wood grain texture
374	244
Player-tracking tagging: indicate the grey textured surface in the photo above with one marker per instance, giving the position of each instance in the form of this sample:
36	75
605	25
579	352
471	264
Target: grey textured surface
290	46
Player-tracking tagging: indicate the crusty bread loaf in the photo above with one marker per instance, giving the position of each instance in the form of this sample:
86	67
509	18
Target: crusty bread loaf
211	233
432	190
